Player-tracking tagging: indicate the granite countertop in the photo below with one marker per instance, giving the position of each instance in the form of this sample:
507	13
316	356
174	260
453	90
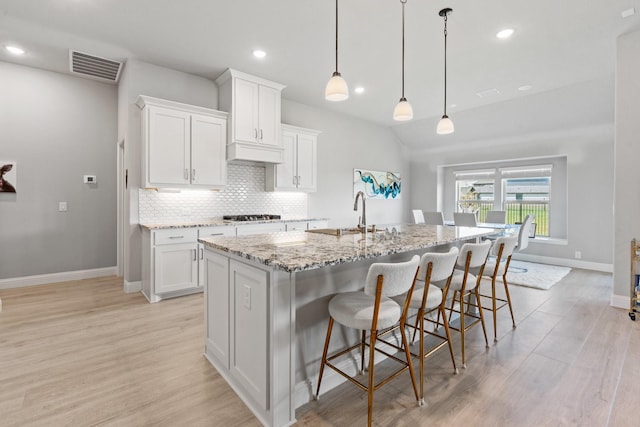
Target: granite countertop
301	251
217	222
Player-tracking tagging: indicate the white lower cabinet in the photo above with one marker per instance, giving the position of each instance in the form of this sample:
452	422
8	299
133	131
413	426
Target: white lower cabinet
247	229
173	260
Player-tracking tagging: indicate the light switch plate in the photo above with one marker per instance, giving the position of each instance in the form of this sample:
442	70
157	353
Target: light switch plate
90	179
62	206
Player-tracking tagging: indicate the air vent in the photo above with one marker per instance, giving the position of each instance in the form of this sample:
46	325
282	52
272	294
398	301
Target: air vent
94	67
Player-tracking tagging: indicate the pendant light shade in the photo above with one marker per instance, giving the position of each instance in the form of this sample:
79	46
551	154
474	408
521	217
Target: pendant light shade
403	110
337	89
445	125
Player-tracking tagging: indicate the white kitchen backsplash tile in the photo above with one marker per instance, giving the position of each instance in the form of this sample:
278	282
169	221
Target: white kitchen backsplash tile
244	194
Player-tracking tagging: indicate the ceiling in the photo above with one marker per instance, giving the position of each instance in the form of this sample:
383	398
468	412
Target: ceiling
559	47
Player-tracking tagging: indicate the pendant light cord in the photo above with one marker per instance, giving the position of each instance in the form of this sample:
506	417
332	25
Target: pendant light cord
336	72
403	3
445	63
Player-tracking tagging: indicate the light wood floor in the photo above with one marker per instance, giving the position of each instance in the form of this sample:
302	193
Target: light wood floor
85	353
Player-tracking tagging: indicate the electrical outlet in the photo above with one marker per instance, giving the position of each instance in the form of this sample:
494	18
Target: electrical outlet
185	211
62	206
578	255
246	297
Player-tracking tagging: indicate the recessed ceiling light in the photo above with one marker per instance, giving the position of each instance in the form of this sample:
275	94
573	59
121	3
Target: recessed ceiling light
259	53
505	34
15	50
525	88
359	89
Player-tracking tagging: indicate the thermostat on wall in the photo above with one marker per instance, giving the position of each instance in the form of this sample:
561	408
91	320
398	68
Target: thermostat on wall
90	179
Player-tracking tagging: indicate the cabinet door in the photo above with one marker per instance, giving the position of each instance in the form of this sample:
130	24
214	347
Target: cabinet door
176	267
208	151
306	162
168	146
245	111
269	116
285	172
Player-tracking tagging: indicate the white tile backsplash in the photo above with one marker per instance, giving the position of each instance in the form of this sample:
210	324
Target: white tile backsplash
244	194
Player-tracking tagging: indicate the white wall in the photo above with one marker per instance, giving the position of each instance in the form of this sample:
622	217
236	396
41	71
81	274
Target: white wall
347	143
57	128
627	161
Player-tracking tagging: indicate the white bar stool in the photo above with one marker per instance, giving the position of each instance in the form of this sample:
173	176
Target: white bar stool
374	310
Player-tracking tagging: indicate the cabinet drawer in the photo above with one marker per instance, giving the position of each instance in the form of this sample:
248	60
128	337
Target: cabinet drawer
297	226
173	236
225	230
243	230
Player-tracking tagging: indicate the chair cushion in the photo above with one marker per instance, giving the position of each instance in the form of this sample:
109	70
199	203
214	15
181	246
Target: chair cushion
355	310
456	281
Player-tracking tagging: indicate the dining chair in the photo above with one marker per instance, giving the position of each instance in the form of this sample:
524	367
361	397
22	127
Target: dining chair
374	310
418	216
496	217
498	265
523	239
464	219
434	218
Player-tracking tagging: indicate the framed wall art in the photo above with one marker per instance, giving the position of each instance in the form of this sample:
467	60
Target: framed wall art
377	184
8	176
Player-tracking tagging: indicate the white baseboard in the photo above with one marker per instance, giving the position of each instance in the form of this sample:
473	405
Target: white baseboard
575	263
621	301
131	287
65	276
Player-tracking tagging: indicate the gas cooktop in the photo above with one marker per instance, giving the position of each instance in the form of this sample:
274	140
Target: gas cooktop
256	217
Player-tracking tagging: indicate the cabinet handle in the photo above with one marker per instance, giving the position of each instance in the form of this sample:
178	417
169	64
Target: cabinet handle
201	253
186	174
176	237
195	254
255	133
193	175
260	134
216	234
294	180
298	180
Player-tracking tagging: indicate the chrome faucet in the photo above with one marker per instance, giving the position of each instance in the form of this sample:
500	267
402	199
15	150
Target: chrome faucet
363	219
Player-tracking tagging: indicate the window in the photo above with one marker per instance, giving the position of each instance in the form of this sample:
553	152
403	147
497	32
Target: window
475	192
526	191
519	187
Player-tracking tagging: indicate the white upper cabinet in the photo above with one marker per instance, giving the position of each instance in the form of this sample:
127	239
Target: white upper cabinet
184	146
254	105
299	171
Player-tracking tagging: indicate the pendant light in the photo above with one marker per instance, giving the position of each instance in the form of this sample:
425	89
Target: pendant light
445	125
336	89
403	110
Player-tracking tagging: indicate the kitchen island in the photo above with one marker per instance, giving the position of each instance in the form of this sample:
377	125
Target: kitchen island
266	300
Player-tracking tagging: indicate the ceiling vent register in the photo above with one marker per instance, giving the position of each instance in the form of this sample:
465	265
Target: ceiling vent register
94	67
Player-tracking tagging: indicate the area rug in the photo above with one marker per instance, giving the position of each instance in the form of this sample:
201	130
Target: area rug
539	276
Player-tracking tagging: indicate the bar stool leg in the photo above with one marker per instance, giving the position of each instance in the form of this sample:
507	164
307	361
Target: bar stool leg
324	355
370	389
494	309
362	347
448	333
484	327
506	291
